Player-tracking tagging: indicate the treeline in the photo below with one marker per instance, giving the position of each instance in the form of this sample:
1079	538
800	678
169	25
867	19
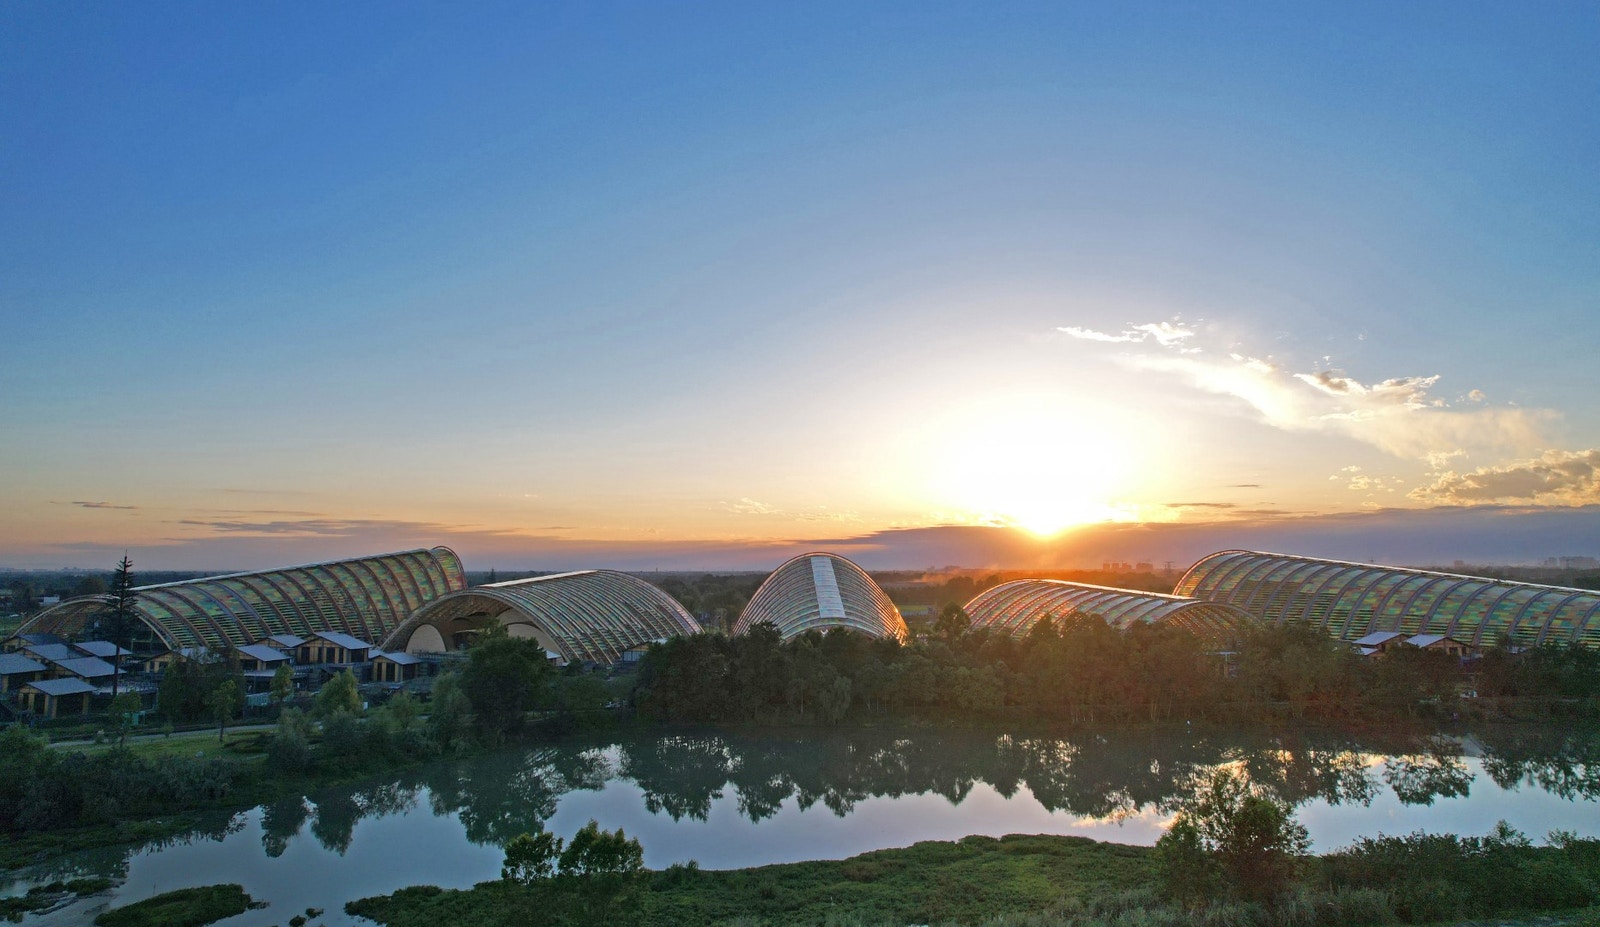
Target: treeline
716	600
483	705
1088	672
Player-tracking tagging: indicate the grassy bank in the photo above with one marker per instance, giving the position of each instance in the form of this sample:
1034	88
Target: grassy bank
1030	881
961	882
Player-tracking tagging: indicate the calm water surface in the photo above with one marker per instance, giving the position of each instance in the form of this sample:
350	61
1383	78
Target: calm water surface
732	800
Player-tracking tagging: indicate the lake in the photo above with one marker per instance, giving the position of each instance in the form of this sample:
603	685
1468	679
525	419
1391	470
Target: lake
734	799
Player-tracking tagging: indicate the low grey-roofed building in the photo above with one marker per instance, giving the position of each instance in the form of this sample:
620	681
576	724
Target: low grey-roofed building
284	642
84	667
19	641
54	697
394	667
332	647
259	657
16	669
102	649
51	652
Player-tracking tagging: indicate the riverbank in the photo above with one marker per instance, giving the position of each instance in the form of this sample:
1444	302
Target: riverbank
1014	881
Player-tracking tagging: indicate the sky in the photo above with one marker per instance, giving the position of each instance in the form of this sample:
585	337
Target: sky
705	285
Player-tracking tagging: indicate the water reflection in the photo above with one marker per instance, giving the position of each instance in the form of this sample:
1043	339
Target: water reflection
688	778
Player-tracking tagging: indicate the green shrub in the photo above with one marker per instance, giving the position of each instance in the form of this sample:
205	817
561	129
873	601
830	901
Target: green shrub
186	907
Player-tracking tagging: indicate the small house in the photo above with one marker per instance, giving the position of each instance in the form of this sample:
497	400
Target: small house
259	658
89	669
1379	642
55	697
105	650
19	641
160	662
332	647
1442	643
51	652
285	643
395	667
16	669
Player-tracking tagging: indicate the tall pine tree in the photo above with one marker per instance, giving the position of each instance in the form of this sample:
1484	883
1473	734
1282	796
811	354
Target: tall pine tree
120	599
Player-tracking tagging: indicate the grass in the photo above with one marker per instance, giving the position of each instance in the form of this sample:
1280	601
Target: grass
962	882
186	907
190	744
1015	881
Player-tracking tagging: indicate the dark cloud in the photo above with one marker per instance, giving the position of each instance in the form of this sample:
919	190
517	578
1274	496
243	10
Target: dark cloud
1202	505
104	505
1478	534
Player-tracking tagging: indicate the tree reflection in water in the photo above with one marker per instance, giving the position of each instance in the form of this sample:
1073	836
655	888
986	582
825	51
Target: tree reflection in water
1096	775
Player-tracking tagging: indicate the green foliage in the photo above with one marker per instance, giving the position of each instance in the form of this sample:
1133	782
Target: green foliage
341	694
1189	871
282	685
223	702
1431	877
595	853
531	857
187	684
450	719
289	748
505	677
944	883
186	907
343	742
1248	836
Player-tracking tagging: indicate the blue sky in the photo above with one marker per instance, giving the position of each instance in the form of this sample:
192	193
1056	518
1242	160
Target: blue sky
567	283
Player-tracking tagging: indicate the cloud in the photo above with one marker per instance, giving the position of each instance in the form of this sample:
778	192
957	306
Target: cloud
748	506
104	505
336	528
1560	477
1166	334
1399	415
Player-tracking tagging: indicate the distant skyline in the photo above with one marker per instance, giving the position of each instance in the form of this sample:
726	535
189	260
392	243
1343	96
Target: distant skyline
705	286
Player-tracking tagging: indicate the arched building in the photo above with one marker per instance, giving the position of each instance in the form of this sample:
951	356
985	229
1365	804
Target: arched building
367	598
1352	600
1015	607
591	615
819	591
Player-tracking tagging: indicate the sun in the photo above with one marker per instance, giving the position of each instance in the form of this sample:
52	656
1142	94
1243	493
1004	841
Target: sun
1042	467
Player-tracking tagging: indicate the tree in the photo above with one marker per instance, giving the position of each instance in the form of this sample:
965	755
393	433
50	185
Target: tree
598	853
1248	833
952	623
121	600
505	676
223	703
340	694
289	750
123	707
282	685
531	857
450	714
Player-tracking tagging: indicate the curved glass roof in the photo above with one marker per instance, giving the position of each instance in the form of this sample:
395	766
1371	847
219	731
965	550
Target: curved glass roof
819	591
586	615
1352	600
367	598
1015	607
